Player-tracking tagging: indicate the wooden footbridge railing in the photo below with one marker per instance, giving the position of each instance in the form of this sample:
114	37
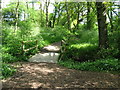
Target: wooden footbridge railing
27	42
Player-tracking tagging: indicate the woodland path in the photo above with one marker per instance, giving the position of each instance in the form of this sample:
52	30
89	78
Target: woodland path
53	76
49	53
46	73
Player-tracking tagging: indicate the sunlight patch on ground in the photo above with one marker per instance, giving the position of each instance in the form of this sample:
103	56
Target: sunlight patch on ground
47	54
44	70
35	84
45	57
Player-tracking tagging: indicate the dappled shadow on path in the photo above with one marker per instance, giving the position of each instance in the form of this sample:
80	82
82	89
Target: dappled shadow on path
49	75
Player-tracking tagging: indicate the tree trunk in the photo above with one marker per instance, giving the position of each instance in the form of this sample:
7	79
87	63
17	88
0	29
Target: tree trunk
27	5
32	4
0	4
102	27
47	4
24	15
46	14
119	13
89	24
16	16
110	18
0	17
55	13
111	23
68	15
41	20
78	14
58	14
27	14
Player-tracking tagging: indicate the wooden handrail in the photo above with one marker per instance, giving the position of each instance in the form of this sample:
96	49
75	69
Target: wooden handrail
29	49
23	46
29	41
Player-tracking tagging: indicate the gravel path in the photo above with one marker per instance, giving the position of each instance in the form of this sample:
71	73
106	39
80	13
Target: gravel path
53	76
49	53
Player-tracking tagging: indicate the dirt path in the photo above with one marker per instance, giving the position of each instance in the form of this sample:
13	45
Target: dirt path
50	75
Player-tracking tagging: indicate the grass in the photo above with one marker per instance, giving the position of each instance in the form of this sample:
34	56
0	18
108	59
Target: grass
101	65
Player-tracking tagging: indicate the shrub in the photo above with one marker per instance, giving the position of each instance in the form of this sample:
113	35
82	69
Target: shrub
6	57
81	52
82	46
88	36
7	70
114	44
107	53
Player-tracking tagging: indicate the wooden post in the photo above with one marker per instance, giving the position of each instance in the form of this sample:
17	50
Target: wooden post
62	49
23	47
36	45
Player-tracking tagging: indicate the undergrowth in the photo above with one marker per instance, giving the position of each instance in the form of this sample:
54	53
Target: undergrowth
7	70
101	65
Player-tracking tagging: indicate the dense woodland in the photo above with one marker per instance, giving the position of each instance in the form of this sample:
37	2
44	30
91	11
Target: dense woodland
90	32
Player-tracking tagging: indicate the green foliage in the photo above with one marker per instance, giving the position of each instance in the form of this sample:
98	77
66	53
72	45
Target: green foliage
81	52
81	44
107	53
11	44
105	65
25	26
88	36
9	13
14	45
7	70
82	47
6	57
28	31
114	44
53	34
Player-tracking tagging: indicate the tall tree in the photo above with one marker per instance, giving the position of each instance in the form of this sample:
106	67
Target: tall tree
41	14
32	4
88	15
68	15
110	15
47	5
119	15
55	13
102	26
16	15
79	9
59	12
27	4
0	4
26	14
78	14
0	14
